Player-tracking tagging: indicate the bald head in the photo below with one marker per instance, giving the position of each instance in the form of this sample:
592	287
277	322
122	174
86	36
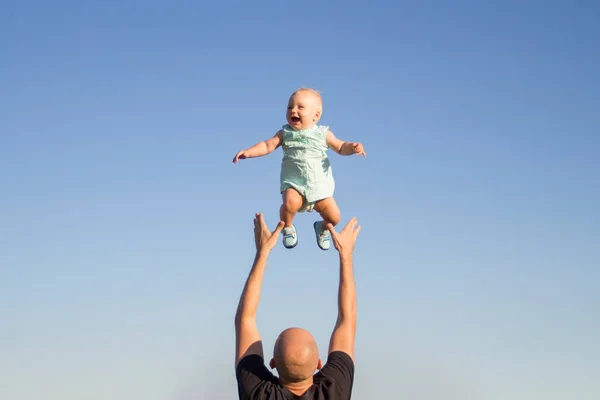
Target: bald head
295	355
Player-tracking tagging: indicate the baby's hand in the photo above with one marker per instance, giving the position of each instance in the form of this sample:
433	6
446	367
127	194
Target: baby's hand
358	149
241	155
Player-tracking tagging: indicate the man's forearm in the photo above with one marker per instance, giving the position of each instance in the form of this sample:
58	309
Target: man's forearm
250	297
347	289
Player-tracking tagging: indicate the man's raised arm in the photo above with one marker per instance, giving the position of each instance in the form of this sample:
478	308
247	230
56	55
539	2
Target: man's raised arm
342	338
247	337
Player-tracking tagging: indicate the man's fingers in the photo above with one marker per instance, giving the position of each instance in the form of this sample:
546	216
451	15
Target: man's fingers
258	220
261	220
331	229
278	229
350	224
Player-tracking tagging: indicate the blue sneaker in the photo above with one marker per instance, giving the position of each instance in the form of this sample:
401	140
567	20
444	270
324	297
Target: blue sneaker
290	238
323	236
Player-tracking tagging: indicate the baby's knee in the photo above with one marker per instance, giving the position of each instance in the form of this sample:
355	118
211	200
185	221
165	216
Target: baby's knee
333	216
329	211
292	203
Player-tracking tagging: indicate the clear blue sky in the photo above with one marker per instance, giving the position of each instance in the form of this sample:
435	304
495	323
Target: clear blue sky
126	231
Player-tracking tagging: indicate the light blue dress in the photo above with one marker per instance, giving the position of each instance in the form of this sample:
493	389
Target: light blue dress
305	165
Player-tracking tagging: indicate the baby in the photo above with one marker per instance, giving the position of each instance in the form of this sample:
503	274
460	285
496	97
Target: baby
306	180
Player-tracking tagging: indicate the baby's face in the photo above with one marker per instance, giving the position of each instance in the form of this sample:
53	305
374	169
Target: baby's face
303	110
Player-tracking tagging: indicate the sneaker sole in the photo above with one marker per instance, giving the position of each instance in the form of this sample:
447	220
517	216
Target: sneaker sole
291	247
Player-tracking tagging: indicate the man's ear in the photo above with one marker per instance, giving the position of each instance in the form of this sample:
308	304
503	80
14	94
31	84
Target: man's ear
319	364
272	363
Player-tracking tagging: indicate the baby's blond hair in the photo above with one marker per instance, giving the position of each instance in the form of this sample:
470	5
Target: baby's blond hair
315	92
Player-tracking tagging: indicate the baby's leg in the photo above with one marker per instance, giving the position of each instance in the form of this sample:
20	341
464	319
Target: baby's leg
292	202
329	211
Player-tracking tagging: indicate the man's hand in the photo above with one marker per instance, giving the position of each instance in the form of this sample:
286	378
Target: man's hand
345	240
264	238
359	149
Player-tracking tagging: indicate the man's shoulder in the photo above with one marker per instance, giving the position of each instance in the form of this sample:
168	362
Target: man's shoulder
337	373
336	379
254	380
254	364
341	358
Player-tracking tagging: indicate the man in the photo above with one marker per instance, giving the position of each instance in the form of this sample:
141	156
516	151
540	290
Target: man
295	356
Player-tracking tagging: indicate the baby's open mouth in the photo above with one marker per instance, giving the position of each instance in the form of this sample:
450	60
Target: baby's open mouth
295	119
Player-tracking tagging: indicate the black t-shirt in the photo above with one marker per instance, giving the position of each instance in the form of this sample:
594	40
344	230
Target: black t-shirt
333	382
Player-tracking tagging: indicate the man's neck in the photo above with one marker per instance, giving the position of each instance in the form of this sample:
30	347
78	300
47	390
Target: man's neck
298	388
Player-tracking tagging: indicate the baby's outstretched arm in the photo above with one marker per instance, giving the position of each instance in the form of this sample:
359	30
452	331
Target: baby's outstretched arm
344	148
260	149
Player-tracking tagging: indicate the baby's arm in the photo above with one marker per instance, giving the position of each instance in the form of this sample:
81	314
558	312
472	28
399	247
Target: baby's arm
344	148
261	148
